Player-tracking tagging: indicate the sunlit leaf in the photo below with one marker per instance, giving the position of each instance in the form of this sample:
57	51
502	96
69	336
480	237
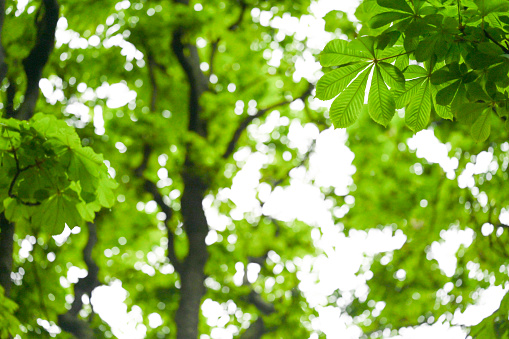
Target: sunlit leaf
332	83
346	107
401	5
481	127
336	52
381	105
418	111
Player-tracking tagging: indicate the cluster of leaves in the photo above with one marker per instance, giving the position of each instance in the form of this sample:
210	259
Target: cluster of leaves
9	324
47	178
436	59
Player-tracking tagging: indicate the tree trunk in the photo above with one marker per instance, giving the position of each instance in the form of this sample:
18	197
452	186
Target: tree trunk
6	248
192	275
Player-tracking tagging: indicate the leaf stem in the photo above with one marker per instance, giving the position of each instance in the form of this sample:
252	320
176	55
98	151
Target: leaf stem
460	20
488	35
16	175
394	56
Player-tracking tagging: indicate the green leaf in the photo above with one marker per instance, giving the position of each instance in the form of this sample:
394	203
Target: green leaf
405	96
41	194
418	111
491	6
87	211
392	75
400	5
468	113
339	20
387	39
381	105
365	45
346	107
85	166
489	49
477	60
443	112
337	52
441	76
446	95
105	194
475	92
415	71
481	128
332	83
386	18
15	211
58	210
425	49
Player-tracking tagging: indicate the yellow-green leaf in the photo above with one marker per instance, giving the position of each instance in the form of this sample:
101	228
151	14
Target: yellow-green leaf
419	109
347	106
381	105
332	83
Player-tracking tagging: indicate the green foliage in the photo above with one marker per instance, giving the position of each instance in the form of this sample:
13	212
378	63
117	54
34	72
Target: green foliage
462	47
9	324
48	178
448	72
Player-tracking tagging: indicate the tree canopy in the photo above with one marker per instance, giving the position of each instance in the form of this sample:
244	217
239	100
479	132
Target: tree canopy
436	59
144	145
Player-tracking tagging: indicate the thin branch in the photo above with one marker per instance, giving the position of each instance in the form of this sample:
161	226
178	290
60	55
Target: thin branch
262	306
302	162
236	24
255	331
147	151
488	35
151	188
213	51
38	57
153	84
248	120
460	19
198	83
15	178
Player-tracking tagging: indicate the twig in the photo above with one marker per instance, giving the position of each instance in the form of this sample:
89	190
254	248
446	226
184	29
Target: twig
506	51
151	188
236	24
460	22
153	96
15	177
304	159
213	50
244	123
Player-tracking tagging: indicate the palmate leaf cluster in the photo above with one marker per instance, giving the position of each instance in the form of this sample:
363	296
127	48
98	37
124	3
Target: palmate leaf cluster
437	59
47	178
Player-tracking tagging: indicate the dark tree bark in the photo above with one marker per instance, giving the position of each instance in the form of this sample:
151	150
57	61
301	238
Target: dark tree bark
192	271
69	321
38	57
255	331
3	65
192	275
6	247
